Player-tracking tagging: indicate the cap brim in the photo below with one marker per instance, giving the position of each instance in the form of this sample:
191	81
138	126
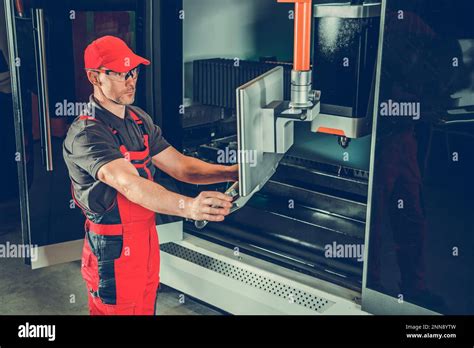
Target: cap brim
127	63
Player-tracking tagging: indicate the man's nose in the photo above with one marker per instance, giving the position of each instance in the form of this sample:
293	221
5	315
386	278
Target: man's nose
131	82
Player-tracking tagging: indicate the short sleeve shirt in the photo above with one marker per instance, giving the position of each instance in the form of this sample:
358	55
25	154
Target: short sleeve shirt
90	144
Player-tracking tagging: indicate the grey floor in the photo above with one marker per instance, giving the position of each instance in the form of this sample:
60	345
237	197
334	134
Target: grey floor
60	290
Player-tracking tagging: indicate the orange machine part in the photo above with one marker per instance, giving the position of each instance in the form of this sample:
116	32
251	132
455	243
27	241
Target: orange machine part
331	131
303	21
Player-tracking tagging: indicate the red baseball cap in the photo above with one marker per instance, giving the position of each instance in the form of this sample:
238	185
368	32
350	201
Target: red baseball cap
113	54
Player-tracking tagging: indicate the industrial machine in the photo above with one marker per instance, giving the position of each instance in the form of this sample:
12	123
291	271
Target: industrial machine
290	208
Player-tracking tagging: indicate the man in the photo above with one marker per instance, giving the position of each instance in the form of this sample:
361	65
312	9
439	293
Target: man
112	155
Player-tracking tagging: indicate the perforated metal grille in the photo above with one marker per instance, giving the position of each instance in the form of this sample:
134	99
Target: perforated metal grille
253	279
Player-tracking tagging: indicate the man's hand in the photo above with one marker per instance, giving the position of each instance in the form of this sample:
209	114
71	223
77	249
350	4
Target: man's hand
210	206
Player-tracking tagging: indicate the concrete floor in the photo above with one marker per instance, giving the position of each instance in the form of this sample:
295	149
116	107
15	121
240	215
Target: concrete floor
60	289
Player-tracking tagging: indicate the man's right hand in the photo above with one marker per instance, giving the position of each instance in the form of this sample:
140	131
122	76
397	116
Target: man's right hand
210	206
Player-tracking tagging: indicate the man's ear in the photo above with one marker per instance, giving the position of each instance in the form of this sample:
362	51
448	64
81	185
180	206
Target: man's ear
93	78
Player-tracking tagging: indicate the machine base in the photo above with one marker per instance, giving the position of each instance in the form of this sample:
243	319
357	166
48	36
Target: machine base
242	284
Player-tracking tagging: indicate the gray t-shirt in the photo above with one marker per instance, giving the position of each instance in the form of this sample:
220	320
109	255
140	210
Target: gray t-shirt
90	144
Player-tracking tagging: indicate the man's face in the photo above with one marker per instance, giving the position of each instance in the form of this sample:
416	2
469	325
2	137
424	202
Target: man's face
116	88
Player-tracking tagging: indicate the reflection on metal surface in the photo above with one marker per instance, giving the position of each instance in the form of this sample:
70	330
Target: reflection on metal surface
43	89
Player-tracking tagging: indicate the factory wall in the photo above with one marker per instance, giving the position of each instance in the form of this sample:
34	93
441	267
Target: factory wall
244	29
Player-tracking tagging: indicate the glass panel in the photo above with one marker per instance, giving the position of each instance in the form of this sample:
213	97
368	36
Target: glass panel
53	216
421	229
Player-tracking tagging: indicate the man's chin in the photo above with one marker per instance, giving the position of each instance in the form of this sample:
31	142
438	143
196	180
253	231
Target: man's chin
127	99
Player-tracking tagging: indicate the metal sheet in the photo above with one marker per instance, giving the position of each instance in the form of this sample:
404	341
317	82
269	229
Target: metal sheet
256	167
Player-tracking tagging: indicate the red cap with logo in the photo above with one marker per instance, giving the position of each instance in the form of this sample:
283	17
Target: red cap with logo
112	53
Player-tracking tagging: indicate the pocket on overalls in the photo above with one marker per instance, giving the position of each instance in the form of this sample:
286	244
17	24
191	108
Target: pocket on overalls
107	249
86	269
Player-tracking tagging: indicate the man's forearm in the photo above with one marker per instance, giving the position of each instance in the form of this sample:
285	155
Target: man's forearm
200	172
122	176
156	198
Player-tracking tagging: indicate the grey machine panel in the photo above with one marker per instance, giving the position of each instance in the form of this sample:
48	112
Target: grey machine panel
256	166
346	10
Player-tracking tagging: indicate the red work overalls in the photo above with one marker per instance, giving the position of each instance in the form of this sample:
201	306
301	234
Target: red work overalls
121	260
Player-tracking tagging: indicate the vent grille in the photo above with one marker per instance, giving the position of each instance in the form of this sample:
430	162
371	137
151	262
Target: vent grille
258	281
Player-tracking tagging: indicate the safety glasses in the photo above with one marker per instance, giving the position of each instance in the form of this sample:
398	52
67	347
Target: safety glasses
121	77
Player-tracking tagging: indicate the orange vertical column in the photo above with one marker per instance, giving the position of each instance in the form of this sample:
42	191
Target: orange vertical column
303	21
